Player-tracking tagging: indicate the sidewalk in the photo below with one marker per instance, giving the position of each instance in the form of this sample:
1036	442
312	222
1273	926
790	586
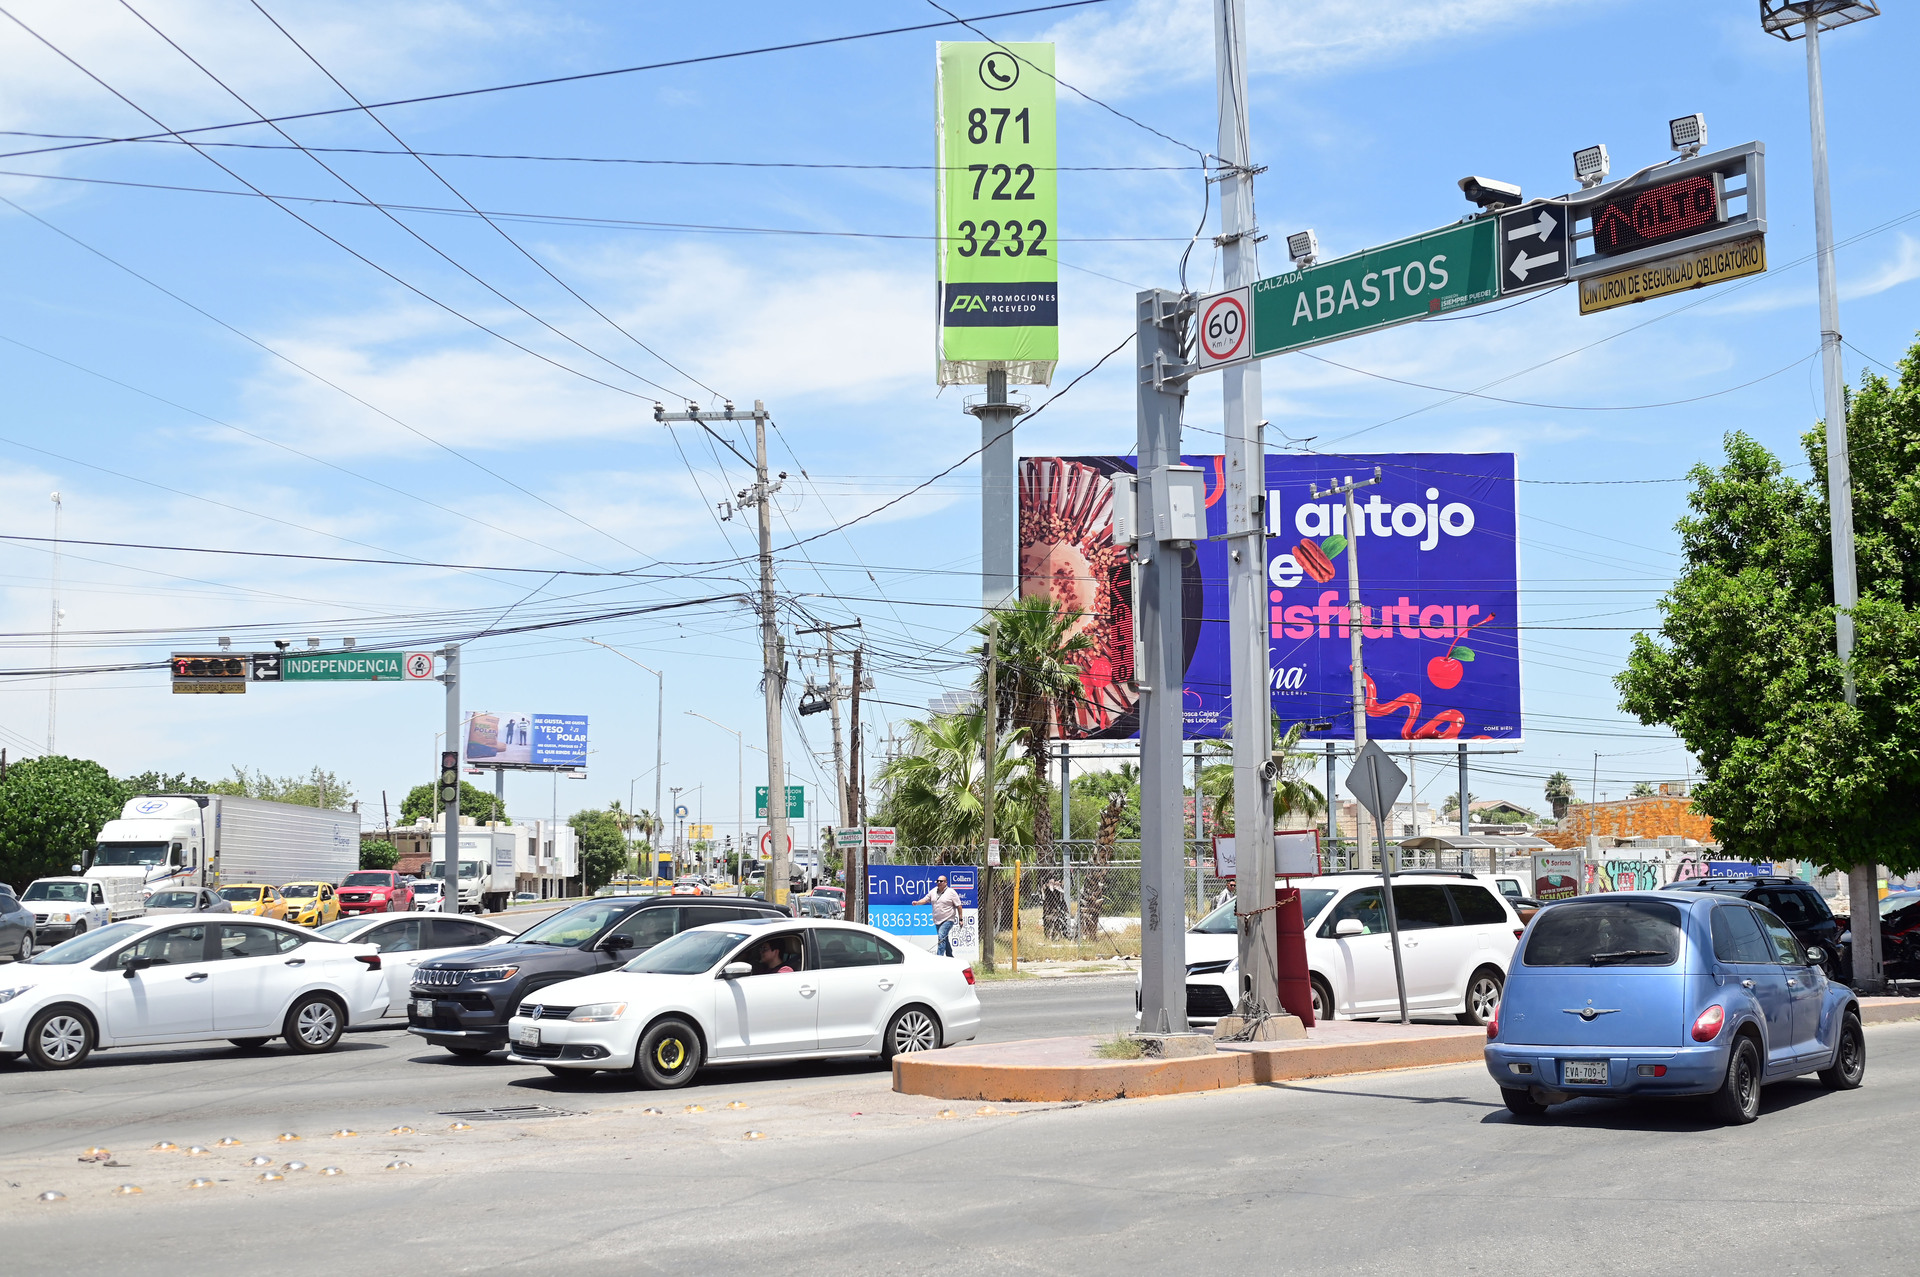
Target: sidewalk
1042	1070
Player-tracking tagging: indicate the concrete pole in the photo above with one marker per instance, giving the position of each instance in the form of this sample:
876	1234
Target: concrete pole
1245	472
450	853
773	655
1161	319
987	916
999	496
1464	819
1333	810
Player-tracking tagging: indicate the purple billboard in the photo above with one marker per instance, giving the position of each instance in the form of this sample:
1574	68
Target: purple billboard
1438	586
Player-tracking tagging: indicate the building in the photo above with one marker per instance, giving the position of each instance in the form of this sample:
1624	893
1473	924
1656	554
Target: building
546	857
1408	821
1654	816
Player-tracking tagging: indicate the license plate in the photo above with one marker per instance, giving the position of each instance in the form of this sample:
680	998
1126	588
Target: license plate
1584	1071
423	1007
526	1035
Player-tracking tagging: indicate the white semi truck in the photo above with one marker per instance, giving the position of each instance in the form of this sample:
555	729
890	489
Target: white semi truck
208	840
487	875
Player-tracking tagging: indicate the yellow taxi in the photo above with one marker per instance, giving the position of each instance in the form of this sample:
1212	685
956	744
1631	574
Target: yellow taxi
310	903
255	898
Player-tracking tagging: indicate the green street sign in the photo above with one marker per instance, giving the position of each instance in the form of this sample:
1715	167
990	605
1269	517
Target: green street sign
796	802
1449	269
343	667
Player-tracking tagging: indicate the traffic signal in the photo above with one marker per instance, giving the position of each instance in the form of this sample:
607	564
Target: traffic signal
449	778
208	672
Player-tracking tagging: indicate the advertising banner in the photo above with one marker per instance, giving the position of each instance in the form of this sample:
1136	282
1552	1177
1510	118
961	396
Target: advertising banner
995	198
1556	875
1439	573
893	889
527	740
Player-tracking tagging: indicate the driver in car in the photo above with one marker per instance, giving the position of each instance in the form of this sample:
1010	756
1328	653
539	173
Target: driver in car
769	960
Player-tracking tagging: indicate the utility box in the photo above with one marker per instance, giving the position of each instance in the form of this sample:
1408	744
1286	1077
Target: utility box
1126	509
1179	503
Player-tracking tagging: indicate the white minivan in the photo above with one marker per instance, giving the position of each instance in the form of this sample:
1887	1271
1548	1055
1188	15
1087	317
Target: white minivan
1457	936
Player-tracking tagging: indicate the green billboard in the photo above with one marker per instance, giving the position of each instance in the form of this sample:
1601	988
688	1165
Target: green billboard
996	197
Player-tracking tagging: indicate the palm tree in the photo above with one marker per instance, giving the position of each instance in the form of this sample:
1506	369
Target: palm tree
1559	793
933	788
1293	794
1036	680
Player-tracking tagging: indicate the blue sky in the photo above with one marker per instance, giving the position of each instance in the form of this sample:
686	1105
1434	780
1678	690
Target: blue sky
439	441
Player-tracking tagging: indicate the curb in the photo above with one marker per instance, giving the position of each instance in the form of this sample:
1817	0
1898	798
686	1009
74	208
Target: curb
1888	1010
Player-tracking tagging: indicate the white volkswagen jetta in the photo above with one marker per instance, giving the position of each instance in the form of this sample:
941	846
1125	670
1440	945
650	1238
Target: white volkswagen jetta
749	992
187	978
405	942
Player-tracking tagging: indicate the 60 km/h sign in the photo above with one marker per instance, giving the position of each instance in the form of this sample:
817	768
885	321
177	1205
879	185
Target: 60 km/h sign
1226	333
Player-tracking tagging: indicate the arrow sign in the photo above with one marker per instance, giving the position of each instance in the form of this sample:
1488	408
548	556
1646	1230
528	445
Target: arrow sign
1542	228
1522	264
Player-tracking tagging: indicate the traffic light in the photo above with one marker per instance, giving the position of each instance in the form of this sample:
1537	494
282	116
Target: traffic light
208	672
449	778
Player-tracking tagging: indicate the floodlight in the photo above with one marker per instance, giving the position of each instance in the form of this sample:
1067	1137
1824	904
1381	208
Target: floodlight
225	643
347	643
1303	247
313	643
1490	194
1689	134
1590	165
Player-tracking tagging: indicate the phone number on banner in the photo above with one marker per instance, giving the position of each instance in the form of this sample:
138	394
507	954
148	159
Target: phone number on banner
903	920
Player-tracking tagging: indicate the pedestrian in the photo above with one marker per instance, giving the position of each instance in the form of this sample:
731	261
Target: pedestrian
946	914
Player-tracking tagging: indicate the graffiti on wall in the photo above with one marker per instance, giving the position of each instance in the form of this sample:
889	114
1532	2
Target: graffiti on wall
1624	875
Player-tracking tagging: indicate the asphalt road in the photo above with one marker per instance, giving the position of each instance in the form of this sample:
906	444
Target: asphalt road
1421	1171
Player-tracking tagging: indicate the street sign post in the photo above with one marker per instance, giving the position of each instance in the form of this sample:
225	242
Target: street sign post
796	802
1375	782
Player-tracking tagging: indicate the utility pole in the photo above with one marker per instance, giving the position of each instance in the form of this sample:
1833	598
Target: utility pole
53	637
986	915
1356	616
856	810
1464	796
1245	462
772	647
1779	17
1161	386
834	693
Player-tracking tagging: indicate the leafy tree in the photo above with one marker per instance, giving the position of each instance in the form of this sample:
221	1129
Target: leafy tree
474	801
603	846
378	853
1293	794
1452	804
317	788
934	788
152	782
1641	789
50	811
1091	793
1036	680
1559	793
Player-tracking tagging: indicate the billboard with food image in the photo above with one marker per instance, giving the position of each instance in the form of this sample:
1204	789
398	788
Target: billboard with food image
1438	589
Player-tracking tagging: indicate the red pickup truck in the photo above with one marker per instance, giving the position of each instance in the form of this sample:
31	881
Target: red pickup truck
375	891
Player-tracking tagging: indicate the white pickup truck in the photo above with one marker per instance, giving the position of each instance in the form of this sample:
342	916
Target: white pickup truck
66	907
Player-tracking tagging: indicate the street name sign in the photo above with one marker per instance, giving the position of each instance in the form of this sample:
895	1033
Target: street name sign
1533	247
352	667
1695	268
796	802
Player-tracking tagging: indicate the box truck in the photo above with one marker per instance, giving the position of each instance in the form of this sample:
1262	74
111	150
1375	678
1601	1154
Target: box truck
209	840
487	878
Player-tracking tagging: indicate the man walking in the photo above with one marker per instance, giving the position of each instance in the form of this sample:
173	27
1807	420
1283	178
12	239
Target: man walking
946	914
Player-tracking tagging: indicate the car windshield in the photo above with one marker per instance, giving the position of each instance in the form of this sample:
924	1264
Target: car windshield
343	929
240	893
1224	921
174	900
75	891
1605	933
368	879
575	926
427	887
130	853
689	953
85	946
301	890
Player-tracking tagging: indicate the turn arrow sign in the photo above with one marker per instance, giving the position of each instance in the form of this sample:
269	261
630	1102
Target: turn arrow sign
1522	263
1542	228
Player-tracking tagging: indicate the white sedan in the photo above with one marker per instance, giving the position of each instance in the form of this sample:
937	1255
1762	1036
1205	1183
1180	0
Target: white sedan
410	939
755	992
187	978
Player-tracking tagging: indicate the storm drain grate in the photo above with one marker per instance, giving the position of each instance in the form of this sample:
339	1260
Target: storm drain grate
511	1113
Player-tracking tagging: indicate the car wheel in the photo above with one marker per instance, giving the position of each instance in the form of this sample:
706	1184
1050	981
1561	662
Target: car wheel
912	1029
669	1054
1521	1103
79	929
249	1044
26	948
1483	997
59	1038
1737	1102
1849	1066
1322	1001
471	1052
314	1024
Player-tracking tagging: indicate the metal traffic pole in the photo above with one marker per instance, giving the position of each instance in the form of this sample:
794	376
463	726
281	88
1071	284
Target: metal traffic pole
1386	892
450	783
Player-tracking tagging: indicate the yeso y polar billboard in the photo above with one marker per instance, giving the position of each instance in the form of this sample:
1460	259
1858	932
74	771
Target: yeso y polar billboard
527	740
1438	584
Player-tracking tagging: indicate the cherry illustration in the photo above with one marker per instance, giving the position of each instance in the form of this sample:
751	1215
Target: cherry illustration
1445	672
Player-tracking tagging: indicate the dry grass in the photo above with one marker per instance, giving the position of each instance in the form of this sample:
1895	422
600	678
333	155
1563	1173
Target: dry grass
1119	1047
1035	945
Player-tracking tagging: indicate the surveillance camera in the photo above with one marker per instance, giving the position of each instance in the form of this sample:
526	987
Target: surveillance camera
1489	194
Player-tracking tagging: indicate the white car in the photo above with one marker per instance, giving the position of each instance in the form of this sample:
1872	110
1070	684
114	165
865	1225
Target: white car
756	991
1457	936
426	896
187	978
405	942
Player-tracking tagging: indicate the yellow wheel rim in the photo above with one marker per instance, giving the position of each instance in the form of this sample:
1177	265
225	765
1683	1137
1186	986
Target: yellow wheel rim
671	1054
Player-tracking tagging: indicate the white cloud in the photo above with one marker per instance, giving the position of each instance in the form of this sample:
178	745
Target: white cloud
1900	267
1158	40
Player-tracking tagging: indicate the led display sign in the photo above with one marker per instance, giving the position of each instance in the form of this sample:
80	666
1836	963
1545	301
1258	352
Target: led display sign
1631	220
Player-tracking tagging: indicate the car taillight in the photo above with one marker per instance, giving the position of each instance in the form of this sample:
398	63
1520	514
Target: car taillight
968	973
1518	932
371	959
1493	1025
1707	1026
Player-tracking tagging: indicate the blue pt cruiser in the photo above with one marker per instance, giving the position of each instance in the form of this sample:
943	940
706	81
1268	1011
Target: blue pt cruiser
1640	993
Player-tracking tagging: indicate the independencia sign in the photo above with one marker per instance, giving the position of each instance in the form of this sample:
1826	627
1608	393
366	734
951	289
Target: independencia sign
1676	274
335	667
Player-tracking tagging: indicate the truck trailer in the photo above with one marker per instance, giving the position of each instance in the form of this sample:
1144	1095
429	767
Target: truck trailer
210	840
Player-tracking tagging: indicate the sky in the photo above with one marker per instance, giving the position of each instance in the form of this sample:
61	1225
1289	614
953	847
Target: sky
192	365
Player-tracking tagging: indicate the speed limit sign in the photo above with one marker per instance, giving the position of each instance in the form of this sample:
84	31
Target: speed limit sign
1226	328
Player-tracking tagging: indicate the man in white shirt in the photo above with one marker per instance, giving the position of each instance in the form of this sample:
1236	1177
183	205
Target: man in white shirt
946	913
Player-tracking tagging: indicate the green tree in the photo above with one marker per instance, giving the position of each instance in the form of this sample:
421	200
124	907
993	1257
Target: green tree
1641	789
934	788
603	846
51	809
1293	794
1559	793
378	853
317	788
475	802
152	782
1452	804
1036	680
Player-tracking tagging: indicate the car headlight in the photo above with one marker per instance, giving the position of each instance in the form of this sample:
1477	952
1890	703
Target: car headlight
8	995
59	917
598	1012
491	975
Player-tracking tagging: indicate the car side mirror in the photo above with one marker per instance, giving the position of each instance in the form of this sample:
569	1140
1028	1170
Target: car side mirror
1815	954
1349	927
136	965
617	942
734	970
